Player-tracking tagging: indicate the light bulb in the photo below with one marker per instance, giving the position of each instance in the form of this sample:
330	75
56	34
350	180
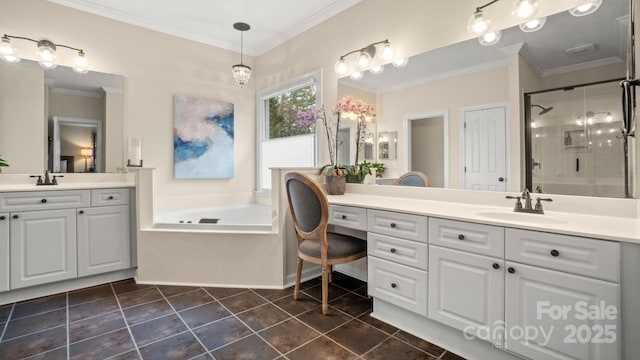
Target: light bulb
80	64
364	60
400	62
356	75
387	52
490	38
533	124
609	117
533	25
586	8
8	52
376	69
341	67
525	9
478	24
579	121
590	121
47	54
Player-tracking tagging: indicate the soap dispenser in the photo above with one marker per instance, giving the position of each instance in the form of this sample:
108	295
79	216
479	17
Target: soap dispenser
567	139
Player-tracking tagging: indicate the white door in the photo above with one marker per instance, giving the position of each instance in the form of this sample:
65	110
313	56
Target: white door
570	309
4	252
43	247
103	240
485	149
466	291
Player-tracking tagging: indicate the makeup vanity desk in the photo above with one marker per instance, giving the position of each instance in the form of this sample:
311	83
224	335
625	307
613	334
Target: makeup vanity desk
487	283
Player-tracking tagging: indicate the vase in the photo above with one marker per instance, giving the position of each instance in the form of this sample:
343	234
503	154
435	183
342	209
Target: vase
336	185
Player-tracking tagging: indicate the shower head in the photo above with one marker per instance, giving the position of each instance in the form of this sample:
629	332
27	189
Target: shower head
544	109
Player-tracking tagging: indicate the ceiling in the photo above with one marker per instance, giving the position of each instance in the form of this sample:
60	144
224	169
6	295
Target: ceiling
544	50
211	21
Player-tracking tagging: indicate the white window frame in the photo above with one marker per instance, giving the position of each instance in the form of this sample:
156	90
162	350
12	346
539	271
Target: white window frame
312	77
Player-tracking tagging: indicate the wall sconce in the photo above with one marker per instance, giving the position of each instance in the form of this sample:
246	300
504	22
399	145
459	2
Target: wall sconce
241	72
46	53
87	153
365	57
134	151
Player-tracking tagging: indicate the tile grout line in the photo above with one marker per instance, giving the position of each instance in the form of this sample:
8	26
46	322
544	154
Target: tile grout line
6	324
126	324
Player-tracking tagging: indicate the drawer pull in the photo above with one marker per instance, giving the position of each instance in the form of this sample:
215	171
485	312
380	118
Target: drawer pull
44	201
393	285
460	237
344	217
81	212
393	225
511	270
15	216
110	197
393	251
555	253
496	266
2	217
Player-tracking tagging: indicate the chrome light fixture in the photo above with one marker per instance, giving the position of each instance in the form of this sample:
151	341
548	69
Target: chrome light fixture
585	8
47	54
366	57
478	23
525	9
241	72
490	38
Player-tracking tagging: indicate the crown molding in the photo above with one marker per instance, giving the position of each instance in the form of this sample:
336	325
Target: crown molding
582	66
76	92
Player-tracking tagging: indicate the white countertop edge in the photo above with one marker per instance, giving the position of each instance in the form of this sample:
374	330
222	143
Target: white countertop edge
66	186
592	226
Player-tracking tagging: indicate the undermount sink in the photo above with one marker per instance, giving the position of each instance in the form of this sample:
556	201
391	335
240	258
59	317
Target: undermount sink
521	217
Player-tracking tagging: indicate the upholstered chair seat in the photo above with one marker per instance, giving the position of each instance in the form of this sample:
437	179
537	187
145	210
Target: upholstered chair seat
413	178
339	246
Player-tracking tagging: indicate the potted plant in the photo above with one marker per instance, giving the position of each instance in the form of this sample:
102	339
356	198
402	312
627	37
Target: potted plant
363	113
3	163
380	169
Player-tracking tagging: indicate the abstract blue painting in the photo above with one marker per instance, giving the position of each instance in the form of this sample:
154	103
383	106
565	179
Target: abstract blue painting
203	139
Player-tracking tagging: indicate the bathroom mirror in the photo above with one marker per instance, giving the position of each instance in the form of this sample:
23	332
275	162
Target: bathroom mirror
387	145
89	111
567	51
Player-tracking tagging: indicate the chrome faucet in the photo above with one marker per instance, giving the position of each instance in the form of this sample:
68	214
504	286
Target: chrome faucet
528	208
47	179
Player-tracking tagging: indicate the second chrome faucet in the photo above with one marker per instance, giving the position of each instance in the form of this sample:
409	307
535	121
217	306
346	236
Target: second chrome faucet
528	207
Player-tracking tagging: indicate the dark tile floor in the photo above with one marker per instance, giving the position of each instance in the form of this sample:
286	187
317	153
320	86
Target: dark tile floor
123	320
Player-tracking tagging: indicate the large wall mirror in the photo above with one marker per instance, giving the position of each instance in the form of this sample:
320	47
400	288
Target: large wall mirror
60	120
480	91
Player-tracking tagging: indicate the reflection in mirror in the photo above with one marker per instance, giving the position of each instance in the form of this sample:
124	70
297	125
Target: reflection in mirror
89	109
369	144
567	51
387	145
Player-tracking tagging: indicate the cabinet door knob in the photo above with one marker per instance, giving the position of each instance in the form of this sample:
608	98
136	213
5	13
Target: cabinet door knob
2	217
393	285
44	201
496	266
460	237
344	217
110	197
511	270
555	253
393	225
15	216
393	251
81	212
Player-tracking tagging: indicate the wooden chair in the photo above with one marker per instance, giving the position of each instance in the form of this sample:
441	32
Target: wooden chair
413	178
310	212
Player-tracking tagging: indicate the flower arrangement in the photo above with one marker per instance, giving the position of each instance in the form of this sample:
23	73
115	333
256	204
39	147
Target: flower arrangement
347	108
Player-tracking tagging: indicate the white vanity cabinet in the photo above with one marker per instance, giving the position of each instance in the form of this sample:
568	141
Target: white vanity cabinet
43	247
397	259
103	233
4	252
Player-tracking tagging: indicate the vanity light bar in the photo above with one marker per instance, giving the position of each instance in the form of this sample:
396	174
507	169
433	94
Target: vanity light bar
47	55
365	57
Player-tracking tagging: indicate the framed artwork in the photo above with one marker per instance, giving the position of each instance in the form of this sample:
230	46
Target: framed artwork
203	140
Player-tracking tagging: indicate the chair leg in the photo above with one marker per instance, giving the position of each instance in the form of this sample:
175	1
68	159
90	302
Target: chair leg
296	289
330	273
325	290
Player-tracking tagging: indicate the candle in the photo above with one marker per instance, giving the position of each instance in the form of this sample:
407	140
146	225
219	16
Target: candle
134	146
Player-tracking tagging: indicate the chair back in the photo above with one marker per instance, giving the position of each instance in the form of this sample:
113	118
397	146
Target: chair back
413	178
309	206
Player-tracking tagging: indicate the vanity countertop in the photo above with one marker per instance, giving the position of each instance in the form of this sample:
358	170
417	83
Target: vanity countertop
66	186
594	226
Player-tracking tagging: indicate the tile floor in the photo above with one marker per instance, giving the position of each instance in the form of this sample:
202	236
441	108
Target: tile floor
123	320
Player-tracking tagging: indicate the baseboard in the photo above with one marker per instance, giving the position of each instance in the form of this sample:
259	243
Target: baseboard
243	286
307	274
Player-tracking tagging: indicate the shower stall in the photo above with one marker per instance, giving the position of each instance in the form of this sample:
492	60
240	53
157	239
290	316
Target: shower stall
574	141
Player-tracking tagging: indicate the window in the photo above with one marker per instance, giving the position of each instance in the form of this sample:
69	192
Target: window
280	142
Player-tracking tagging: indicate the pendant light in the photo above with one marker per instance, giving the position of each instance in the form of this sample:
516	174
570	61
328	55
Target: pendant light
241	72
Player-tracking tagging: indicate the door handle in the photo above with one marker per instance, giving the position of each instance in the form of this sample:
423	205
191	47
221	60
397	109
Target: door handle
501	179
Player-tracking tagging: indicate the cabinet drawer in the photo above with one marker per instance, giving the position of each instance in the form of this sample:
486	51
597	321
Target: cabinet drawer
400	285
405	252
583	256
406	226
348	216
477	238
107	197
44	200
